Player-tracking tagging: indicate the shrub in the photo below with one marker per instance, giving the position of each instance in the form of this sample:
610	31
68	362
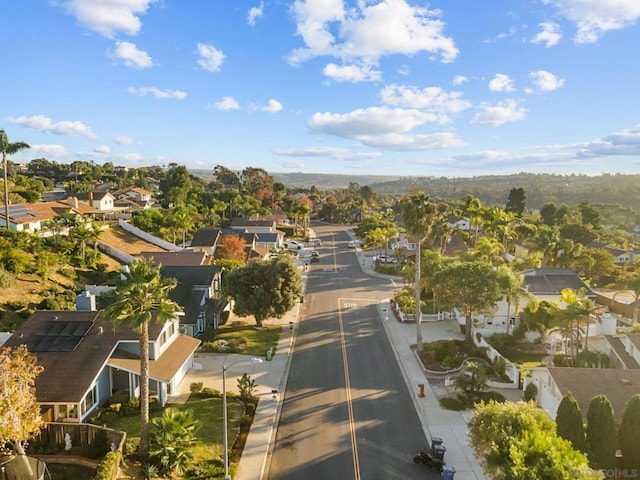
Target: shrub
450	362
208	392
107	468
7	278
562	359
530	392
246	419
491	395
131	445
451	403
196	387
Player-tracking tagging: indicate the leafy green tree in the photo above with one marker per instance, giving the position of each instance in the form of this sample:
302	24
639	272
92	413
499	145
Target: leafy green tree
601	433
141	297
569	422
20	418
418	212
8	148
172	439
469	286
517	201
548	213
264	289
517	441
629	433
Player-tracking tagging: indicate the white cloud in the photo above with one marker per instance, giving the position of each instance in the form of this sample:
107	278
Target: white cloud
108	17
402	142
56	151
459	80
549	34
44	124
501	83
326	152
366	32
546	81
254	13
351	73
123	140
227	103
369	121
132	57
433	99
210	57
102	149
596	17
156	92
273	106
498	114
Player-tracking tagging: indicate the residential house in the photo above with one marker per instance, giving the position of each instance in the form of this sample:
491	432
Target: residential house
87	358
459	223
621	256
198	292
541	283
253	226
205	240
584	383
100	201
36	217
135	193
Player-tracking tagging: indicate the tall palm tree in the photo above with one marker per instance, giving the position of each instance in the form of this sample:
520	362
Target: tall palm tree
8	149
141	297
418	212
578	307
513	287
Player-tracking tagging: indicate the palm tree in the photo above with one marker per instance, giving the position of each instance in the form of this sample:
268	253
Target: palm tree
8	149
514	291
578	307
418	213
141	297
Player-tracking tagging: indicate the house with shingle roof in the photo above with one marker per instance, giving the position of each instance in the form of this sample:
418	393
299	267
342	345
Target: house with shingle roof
585	383
198	292
87	358
541	283
34	217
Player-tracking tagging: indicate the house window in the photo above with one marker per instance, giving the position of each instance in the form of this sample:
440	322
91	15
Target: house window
90	399
67	411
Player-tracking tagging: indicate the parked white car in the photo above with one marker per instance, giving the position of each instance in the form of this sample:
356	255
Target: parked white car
293	245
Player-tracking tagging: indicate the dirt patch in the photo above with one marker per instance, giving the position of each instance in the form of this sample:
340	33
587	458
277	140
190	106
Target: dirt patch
127	242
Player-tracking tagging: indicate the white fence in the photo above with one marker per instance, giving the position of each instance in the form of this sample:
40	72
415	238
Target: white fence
148	237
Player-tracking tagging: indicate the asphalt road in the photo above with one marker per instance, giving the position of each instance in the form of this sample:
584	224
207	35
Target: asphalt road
347	413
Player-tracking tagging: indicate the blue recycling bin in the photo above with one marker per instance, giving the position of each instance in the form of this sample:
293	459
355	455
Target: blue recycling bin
448	472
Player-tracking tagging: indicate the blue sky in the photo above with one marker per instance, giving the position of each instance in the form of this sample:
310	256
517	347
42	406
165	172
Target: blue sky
447	88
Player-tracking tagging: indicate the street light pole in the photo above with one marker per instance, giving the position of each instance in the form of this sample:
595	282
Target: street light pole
225	440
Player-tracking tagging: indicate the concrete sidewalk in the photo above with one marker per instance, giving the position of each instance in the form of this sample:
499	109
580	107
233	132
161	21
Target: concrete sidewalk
271	376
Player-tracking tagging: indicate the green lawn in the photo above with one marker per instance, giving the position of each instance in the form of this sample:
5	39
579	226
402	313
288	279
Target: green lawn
209	412
244	339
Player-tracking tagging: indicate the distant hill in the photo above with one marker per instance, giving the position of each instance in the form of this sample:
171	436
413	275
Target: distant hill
490	189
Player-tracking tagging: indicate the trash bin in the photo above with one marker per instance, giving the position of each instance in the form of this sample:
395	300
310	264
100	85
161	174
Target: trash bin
448	472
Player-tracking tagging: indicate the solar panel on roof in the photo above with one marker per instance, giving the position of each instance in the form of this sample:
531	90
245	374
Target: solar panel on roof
60	336
17	212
